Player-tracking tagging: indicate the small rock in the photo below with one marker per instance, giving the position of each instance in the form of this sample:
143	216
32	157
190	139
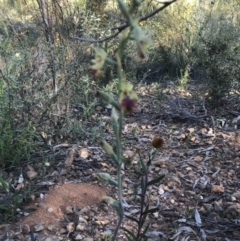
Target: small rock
156	215
39	227
217	189
42	195
78	237
161	190
49	210
88	239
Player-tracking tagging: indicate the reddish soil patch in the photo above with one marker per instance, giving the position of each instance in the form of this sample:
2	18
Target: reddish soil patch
52	208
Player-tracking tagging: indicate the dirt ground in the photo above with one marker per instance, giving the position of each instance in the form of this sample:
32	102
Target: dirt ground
198	199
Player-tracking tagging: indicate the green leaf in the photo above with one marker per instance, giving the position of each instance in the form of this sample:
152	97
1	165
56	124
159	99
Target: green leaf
144	216
144	168
113	182
131	218
156	180
145	231
142	184
128	237
152	210
107	177
114	203
134	238
3	207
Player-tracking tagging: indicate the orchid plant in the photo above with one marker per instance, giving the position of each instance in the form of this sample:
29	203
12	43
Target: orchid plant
126	103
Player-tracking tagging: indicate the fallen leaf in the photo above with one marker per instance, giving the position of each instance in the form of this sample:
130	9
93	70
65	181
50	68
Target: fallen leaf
30	168
217	188
70	157
191	130
31	174
19	186
70	227
84	153
198	158
69	210
197	217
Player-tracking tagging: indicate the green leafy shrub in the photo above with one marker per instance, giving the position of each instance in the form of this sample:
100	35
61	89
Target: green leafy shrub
214	49
16	140
172	32
202	35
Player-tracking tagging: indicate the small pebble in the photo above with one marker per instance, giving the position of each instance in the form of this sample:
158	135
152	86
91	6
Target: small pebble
50	210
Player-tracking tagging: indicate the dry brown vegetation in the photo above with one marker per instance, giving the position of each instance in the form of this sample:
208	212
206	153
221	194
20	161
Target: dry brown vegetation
50	118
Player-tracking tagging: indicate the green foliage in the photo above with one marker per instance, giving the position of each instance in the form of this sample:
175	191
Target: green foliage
204	35
16	138
10	200
215	48
184	79
41	79
172	32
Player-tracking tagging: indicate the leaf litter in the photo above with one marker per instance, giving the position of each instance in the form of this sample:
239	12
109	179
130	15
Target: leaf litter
198	199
